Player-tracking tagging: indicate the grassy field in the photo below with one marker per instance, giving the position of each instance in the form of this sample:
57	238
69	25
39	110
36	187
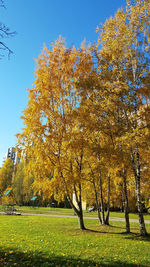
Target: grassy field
47	241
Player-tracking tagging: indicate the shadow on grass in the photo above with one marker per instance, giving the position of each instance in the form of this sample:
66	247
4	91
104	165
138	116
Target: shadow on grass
11	257
106	231
134	236
101	232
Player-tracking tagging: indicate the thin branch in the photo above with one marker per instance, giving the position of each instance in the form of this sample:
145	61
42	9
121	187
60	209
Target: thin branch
5	47
2	4
5	32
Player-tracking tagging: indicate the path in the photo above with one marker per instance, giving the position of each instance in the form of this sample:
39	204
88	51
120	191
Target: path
85	217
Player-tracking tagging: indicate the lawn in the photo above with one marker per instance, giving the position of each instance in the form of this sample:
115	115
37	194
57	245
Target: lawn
47	241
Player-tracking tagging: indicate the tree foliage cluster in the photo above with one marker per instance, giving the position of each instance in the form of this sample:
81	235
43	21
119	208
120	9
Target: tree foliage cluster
18	181
87	121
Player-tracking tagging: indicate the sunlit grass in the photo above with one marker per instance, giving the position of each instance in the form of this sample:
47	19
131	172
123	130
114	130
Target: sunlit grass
45	241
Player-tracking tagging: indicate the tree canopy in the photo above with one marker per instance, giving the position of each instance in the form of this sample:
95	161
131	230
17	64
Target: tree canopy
87	119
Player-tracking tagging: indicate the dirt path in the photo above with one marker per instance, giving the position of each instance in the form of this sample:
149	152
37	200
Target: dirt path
85	217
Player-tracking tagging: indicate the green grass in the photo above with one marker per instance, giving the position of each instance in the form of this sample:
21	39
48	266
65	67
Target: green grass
47	241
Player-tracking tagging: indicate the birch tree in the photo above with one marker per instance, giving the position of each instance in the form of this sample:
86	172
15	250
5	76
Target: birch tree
124	64
52	138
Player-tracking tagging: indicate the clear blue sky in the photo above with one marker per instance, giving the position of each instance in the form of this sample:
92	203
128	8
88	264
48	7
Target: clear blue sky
38	22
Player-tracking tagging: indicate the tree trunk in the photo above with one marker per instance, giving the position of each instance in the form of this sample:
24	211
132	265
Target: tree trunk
126	207
122	196
136	171
81	222
108	201
79	210
80	217
97	203
79	213
140	208
101	198
135	156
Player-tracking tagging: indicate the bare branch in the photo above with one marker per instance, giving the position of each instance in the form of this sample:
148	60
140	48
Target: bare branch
2	4
5	33
5	47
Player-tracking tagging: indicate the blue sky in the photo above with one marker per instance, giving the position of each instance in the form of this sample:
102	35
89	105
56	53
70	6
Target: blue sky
37	22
